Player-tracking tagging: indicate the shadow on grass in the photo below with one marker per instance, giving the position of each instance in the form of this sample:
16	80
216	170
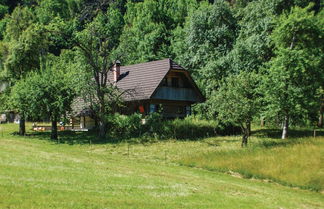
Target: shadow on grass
73	137
295	136
272	136
293	133
91	137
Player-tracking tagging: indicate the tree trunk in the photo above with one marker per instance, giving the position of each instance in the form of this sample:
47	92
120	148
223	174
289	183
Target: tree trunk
54	129
248	128
320	119
286	120
245	136
245	139
285	128
102	115
22	126
102	129
262	122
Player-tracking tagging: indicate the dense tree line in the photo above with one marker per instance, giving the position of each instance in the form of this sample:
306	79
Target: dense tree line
251	58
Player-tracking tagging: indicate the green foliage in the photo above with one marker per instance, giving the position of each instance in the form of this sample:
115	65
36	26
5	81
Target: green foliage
49	9
20	19
237	100
148	28
3	10
96	44
154	127
24	45
25	54
299	28
295	74
202	46
210	32
212	39
253	45
125	126
290	86
19	98
3	25
45	94
99	39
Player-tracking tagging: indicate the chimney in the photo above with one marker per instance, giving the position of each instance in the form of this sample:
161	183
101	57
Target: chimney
116	70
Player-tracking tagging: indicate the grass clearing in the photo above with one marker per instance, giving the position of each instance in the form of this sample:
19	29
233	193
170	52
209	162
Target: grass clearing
37	173
297	164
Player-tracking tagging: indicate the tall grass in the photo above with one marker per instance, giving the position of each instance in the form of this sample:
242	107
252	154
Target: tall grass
295	162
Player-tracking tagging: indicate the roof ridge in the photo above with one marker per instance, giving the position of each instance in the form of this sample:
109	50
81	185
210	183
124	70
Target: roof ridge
146	62
160	80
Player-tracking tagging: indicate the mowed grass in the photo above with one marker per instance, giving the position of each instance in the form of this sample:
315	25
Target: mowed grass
36	173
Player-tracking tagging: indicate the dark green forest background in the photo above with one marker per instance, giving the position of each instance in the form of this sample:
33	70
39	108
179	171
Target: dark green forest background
251	58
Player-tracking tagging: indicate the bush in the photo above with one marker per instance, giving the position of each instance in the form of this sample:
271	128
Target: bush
125	126
190	128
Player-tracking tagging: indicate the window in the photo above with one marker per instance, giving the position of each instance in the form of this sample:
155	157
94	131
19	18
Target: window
175	82
152	108
188	110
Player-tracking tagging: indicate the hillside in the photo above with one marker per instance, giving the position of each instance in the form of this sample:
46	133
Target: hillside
37	173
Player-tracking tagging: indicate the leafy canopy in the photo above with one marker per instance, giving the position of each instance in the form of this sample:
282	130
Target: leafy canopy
295	73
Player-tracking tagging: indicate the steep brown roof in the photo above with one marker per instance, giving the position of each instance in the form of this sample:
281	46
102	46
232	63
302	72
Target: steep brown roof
141	80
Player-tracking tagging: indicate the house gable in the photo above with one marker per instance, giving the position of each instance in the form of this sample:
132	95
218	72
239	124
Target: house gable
178	85
143	81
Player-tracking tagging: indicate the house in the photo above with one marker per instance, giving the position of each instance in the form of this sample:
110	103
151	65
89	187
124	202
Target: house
158	86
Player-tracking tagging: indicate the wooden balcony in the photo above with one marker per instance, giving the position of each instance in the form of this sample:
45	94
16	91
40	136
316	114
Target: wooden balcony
173	93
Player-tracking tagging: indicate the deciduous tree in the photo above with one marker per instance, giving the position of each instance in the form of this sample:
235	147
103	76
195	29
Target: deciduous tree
295	73
96	44
237	101
48	93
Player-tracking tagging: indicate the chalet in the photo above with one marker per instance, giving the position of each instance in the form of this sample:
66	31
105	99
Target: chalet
158	86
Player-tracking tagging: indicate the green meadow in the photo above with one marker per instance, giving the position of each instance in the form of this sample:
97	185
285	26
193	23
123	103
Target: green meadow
208	173
296	162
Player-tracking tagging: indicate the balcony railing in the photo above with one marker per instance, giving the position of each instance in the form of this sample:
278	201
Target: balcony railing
172	93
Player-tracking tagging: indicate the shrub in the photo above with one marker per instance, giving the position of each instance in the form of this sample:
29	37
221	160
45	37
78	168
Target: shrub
125	126
189	128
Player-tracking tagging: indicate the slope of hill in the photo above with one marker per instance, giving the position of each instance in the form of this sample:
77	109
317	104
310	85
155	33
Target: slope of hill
37	173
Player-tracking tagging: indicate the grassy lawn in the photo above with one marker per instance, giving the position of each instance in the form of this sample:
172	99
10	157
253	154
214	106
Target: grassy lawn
297	163
38	173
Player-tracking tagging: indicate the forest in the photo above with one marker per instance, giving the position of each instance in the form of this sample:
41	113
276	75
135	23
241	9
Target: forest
254	60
